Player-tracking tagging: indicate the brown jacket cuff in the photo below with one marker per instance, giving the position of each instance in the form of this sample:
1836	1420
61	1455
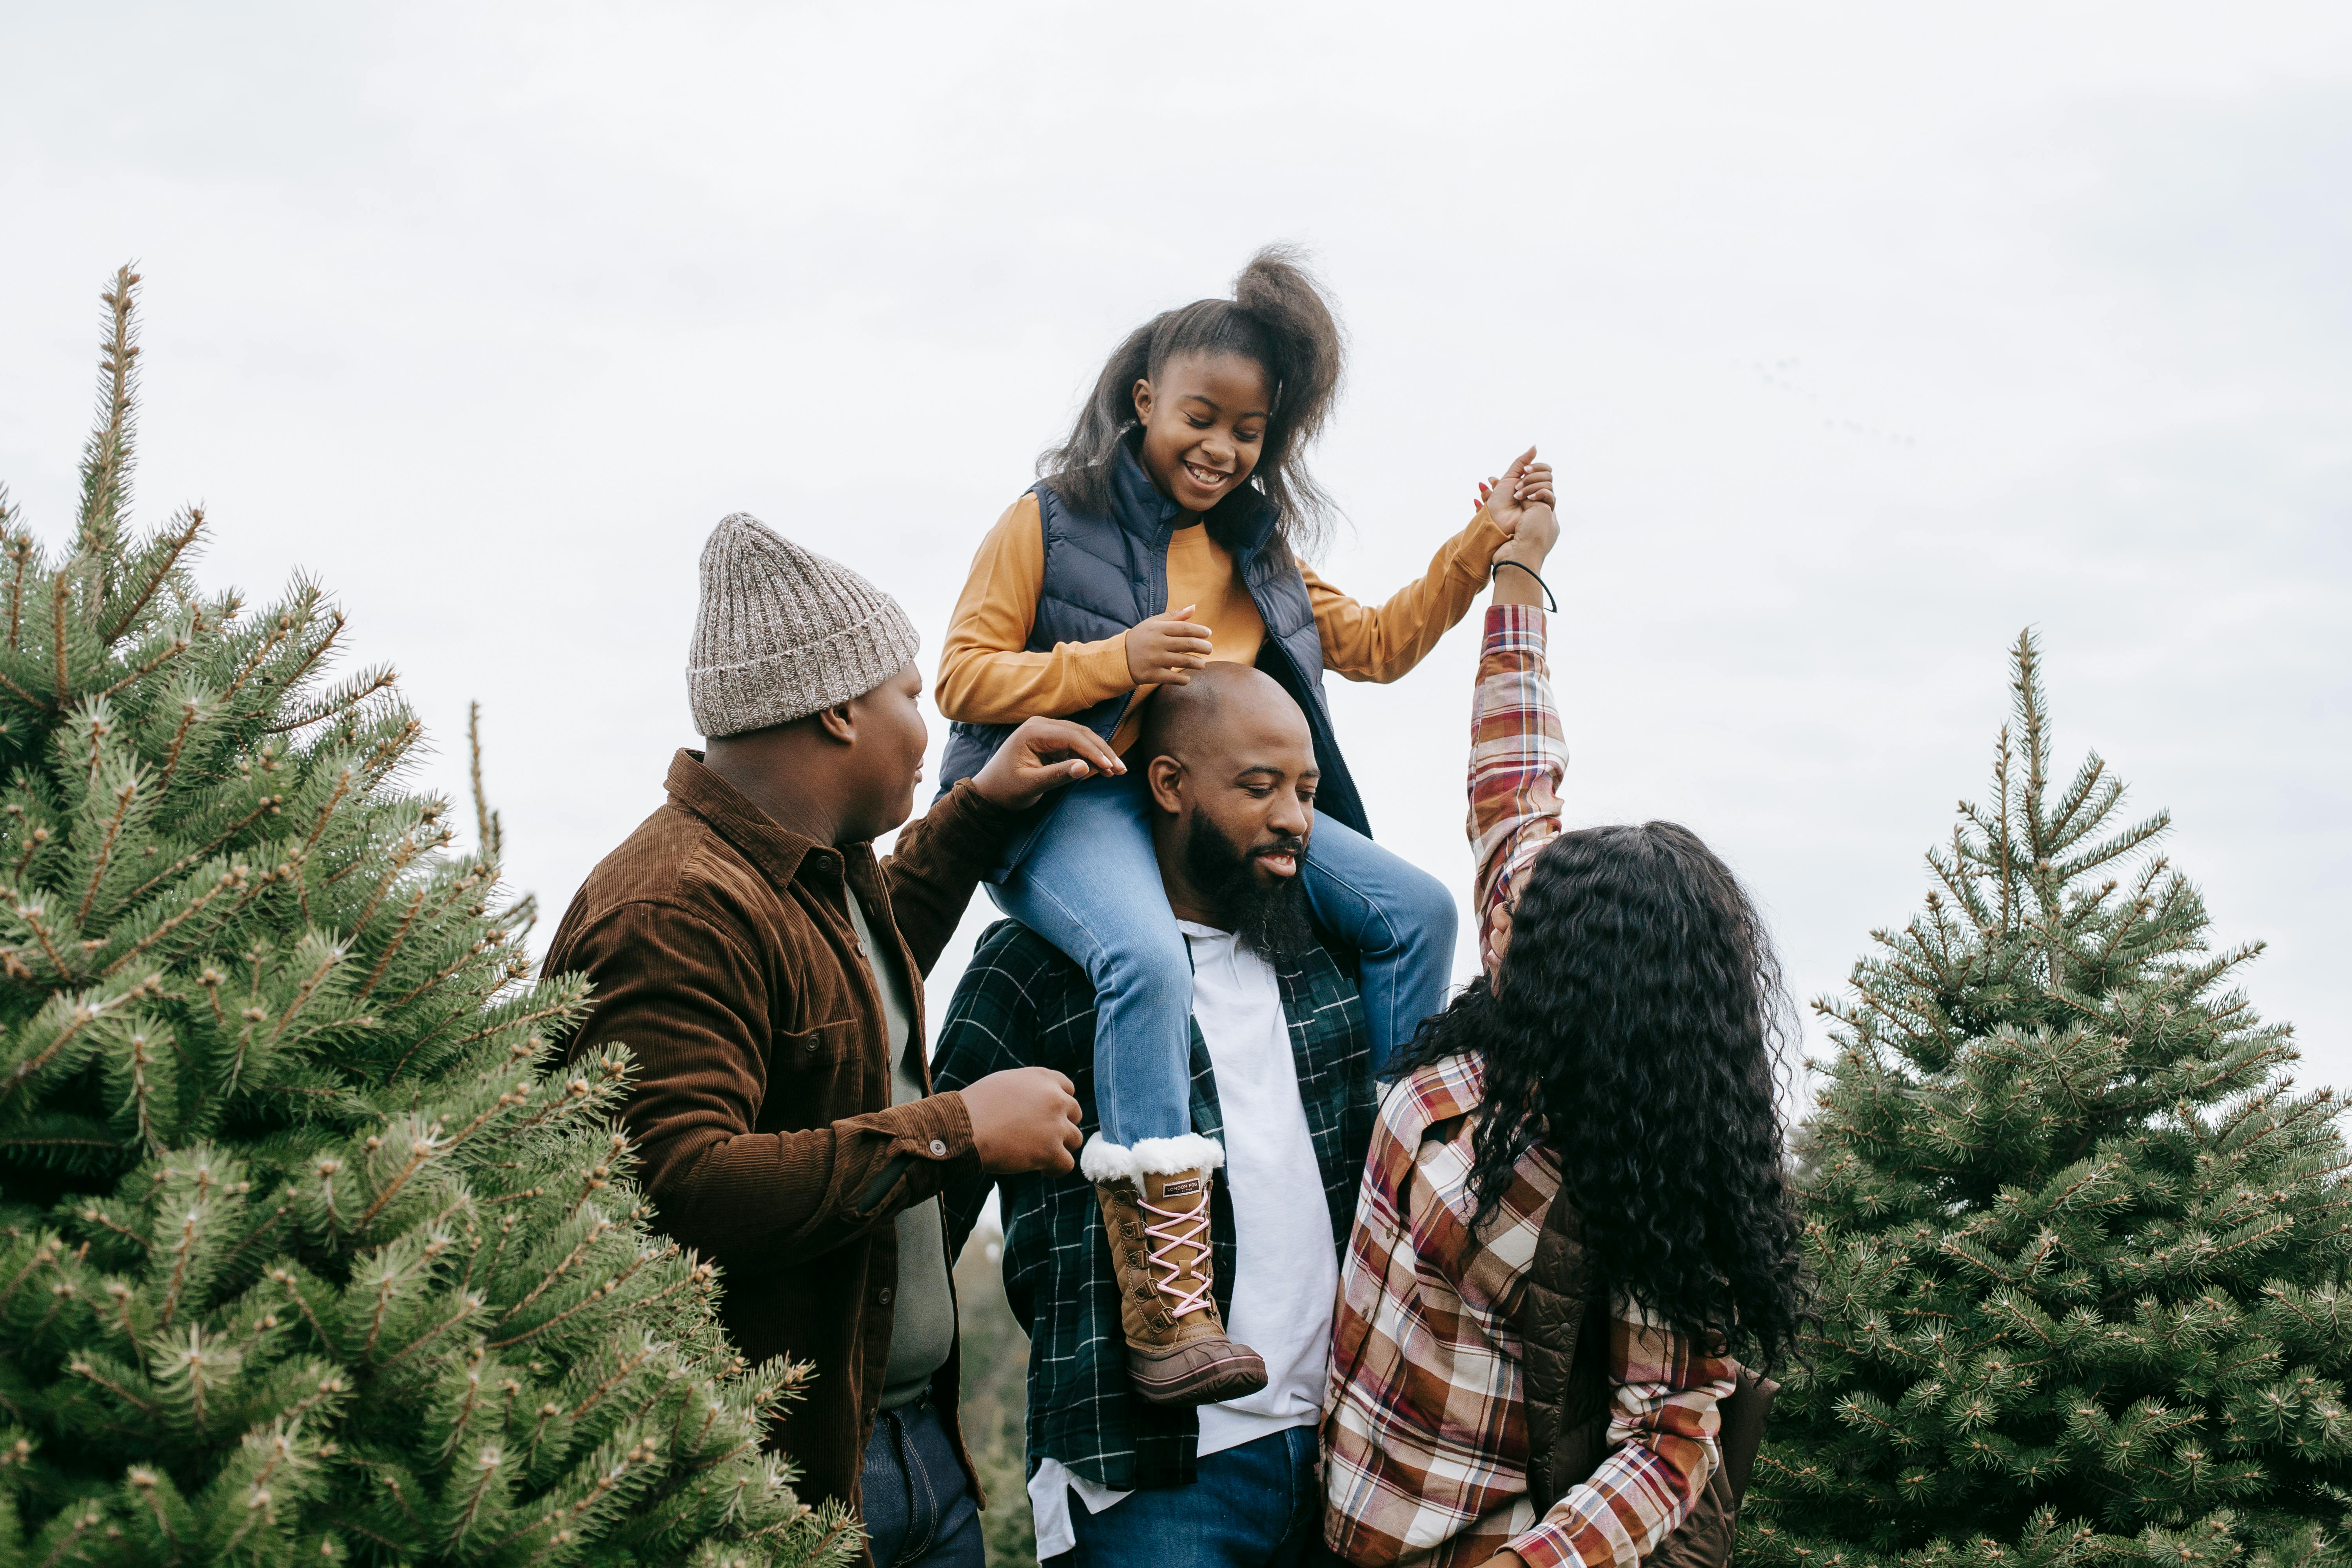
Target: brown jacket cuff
930	1145
967	812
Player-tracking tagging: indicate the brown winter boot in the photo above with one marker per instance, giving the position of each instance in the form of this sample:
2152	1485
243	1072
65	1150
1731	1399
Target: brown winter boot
1158	1225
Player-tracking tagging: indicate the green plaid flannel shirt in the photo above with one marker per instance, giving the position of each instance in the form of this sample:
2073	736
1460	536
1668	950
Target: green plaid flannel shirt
1022	1004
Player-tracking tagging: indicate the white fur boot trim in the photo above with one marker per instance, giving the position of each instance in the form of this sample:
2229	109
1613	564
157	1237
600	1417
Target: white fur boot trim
1105	1162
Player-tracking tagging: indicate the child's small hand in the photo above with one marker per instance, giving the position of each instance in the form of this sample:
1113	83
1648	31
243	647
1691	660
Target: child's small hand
1166	649
1526	483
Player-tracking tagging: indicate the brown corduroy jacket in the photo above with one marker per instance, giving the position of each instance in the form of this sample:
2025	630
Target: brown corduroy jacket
721	953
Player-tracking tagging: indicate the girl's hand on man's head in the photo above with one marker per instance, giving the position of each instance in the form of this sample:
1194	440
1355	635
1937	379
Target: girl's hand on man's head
1166	649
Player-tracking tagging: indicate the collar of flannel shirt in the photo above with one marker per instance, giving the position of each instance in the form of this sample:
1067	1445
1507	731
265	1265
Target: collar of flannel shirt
1022	1004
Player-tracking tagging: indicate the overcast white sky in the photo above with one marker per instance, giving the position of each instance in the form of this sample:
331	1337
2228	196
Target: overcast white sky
1862	335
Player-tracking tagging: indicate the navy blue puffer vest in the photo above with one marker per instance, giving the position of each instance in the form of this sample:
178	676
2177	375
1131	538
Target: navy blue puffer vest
1103	575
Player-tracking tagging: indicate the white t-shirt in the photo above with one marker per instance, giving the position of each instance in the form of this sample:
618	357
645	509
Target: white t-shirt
1286	1270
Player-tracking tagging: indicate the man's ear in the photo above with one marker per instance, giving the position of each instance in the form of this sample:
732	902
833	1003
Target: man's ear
1166	777
1143	400
837	722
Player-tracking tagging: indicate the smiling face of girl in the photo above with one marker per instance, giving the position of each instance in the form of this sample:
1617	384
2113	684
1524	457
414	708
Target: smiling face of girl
1203	426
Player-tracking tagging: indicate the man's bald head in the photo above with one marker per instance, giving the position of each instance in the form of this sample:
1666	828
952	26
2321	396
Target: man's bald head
1230	765
1222	701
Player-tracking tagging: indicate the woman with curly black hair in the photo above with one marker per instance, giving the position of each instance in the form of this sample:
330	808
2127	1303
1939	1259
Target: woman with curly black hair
1574	1213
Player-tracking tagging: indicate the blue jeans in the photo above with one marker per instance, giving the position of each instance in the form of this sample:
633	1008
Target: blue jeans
1257	1505
918	1513
1089	885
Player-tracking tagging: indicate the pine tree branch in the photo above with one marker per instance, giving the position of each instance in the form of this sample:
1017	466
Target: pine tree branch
60	598
255	1235
590	1300
294	1294
20	550
174	550
471	954
198	857
83	1015
485	821
139	1094
2079	794
310	660
467	1305
277	634
2008	872
99	1216
302	854
188	711
525	1021
420	1152
581	1249
2026	682
171	650
181	1251
123	797
595	1396
381	762
171	923
399	935
517	969
337	706
83	1370
20	693
487	1467
107	458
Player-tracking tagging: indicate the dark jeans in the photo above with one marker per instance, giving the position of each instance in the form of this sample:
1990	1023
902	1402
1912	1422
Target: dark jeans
1257	1505
919	1512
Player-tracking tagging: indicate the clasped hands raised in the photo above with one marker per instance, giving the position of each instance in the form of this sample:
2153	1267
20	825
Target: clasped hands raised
1166	649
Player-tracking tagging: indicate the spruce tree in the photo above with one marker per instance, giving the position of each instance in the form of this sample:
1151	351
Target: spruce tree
312	1248
2080	1241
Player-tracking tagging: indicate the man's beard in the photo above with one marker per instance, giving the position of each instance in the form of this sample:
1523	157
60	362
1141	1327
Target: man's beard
1270	921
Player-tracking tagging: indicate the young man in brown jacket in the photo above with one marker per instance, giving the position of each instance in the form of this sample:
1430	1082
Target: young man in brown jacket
765	970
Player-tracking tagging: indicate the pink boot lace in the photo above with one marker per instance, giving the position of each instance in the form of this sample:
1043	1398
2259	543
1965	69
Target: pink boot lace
1170	1238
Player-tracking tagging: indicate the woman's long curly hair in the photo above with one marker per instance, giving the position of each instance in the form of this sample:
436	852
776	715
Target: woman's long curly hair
1278	317
1636	1027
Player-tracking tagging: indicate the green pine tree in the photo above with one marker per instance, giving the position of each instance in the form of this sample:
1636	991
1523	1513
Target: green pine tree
312	1250
2080	1242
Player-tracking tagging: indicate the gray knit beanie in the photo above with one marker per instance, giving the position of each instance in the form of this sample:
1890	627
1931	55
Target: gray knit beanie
783	632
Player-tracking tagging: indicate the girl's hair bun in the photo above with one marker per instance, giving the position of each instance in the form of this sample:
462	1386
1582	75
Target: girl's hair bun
1278	290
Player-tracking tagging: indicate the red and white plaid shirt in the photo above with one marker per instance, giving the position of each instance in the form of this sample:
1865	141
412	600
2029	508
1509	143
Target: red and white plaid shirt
1426	1421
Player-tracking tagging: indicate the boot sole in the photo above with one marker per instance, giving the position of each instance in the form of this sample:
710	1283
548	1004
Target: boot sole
1235	1377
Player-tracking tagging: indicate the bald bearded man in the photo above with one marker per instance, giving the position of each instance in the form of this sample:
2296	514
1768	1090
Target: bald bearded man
1281	1074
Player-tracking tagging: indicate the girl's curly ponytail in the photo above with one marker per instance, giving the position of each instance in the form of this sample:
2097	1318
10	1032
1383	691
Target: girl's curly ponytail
1277	317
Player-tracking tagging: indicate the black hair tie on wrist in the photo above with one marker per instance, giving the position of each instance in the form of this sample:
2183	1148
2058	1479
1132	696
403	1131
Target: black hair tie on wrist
1550	603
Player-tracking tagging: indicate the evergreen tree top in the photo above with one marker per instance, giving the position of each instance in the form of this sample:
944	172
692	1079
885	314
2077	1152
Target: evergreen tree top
2081	1243
313	1247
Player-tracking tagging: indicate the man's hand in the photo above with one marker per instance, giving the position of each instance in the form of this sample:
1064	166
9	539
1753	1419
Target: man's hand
1166	649
1043	755
1504	1560
1524	484
1024	1119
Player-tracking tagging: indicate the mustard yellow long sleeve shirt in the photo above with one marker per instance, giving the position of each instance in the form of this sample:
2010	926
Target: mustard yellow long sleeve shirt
988	676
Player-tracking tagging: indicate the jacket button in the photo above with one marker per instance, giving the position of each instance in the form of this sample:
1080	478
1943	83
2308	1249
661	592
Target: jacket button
938	1149
882	1297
